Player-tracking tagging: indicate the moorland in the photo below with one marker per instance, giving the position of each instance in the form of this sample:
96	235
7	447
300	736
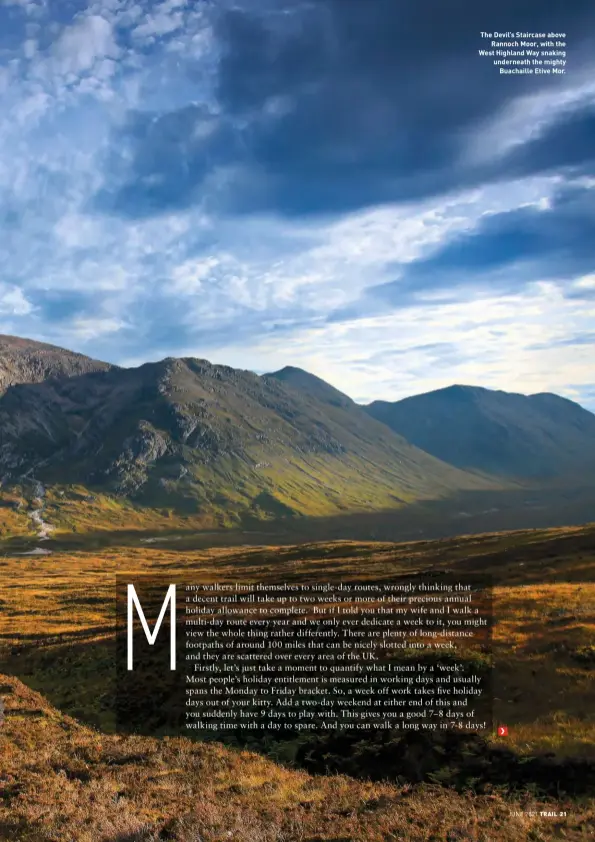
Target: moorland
68	774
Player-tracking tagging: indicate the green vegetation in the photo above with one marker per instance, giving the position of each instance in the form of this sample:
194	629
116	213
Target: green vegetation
204	441
203	471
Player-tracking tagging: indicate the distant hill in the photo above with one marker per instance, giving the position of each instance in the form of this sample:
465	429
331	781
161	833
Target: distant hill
27	361
539	436
198	437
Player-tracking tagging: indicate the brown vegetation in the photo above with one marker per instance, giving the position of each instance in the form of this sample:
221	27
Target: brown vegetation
61	780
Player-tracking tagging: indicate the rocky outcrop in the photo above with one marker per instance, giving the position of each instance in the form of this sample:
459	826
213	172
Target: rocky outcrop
27	361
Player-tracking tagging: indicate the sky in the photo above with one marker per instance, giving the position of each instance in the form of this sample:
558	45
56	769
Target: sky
340	185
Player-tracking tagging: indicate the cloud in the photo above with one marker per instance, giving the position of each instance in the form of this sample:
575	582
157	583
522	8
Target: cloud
161	160
302	183
189	277
167	18
512	342
31	8
323	108
13	301
82	44
551	239
528	117
84	329
564	145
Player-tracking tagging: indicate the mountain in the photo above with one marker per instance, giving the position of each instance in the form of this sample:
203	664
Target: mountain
539	436
26	361
187	434
313	386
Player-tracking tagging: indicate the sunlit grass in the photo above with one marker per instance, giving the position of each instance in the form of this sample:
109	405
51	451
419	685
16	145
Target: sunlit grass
63	781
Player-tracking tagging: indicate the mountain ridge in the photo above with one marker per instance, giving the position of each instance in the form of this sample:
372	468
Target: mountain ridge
185	434
28	361
542	435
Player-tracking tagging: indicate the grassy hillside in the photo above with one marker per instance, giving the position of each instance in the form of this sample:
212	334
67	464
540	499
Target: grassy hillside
544	606
62	781
184	444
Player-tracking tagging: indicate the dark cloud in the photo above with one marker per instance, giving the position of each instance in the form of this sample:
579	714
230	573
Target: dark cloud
552	243
562	235
172	155
376	100
60	306
339	104
580	294
567	145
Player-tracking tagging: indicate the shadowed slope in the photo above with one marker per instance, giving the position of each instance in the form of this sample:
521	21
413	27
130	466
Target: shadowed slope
538	436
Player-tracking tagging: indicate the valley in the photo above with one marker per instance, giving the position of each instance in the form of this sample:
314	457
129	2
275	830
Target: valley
185	468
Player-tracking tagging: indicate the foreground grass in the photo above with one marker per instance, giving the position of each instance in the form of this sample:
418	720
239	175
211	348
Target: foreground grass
58	612
61	781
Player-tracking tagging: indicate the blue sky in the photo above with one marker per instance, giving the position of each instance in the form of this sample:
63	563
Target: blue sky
339	185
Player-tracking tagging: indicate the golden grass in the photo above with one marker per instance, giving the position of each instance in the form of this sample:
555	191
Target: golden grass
61	781
51	603
545	694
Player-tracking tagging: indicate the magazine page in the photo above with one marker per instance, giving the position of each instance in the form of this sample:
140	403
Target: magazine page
297	421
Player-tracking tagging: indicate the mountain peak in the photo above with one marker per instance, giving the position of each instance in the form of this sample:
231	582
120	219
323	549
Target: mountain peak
21	343
310	384
212	440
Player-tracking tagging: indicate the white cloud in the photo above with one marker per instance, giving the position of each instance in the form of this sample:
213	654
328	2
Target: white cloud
76	231
29	7
514	342
327	266
243	291
166	19
586	282
188	277
82	44
87	329
29	48
33	107
129	15
13	301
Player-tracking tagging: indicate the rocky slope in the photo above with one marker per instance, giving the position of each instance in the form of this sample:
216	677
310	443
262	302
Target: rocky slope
200	437
27	361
